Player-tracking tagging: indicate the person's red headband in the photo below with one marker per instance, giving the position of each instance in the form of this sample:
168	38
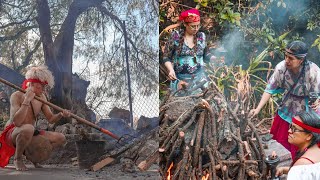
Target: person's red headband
191	15
24	84
304	126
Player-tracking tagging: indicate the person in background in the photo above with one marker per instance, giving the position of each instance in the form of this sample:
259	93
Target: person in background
186	53
296	77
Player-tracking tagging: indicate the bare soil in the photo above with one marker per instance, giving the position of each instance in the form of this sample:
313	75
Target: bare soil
69	172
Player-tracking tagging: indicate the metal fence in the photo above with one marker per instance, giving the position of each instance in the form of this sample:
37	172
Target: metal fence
102	97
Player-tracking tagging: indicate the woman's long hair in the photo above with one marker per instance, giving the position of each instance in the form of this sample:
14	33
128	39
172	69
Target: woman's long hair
181	41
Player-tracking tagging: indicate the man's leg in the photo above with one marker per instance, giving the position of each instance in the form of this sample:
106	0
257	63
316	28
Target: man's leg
56	139
21	137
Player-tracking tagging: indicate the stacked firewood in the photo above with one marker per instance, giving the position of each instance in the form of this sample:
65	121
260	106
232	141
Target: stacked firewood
205	137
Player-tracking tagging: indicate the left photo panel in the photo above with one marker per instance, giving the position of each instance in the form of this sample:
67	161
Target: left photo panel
79	89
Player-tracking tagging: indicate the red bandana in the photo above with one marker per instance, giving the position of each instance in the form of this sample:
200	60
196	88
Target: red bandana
191	15
306	127
24	84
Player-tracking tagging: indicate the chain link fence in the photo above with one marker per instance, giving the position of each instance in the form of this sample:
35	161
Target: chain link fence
108	91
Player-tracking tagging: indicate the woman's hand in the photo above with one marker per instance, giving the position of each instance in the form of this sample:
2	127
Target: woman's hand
253	113
182	85
172	75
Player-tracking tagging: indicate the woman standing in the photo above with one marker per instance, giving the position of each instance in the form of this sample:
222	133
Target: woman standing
185	55
296	78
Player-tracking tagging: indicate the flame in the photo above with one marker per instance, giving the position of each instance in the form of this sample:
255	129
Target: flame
206	177
168	171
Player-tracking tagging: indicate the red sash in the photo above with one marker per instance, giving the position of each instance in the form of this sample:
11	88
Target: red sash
6	151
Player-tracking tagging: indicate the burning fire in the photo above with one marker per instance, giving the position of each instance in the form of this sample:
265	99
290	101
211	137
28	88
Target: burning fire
168	171
206	177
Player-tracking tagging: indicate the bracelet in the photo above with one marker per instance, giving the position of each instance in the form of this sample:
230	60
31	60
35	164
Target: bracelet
25	104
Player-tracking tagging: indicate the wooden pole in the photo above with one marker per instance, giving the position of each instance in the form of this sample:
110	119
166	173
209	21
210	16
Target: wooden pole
80	119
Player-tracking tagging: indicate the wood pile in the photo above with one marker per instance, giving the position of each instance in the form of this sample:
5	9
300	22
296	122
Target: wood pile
205	137
134	153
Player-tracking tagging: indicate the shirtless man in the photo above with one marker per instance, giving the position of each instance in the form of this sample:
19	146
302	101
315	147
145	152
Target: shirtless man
23	112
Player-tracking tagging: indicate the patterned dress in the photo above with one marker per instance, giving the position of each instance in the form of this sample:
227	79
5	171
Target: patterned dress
294	100
281	82
188	65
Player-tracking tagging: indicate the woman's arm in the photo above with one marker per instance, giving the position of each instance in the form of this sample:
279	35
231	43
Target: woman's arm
169	53
171	73
264	99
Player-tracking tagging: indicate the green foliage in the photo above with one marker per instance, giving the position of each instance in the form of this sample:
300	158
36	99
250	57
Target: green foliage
316	43
267	26
224	10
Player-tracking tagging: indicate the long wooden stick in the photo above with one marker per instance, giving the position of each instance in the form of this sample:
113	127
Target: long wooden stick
80	119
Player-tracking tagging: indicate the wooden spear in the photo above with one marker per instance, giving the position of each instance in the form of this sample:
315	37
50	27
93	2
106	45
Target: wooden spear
80	119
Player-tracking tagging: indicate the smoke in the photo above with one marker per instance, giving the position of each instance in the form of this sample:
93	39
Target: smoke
229	47
275	20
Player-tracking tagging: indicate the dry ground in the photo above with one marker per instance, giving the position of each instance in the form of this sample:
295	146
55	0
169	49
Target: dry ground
69	172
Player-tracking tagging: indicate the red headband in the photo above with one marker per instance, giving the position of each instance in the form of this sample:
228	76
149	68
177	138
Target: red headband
24	84
191	15
304	126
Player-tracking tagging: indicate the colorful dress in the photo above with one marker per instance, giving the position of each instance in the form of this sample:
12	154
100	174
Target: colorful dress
188	65
294	100
281	82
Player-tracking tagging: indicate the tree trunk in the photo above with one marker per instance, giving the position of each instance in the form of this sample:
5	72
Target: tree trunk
58	54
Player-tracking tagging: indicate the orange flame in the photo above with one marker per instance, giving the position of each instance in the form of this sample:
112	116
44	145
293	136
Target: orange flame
206	177
168	171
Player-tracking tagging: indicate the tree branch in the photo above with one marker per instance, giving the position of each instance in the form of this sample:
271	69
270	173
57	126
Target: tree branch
29	56
104	11
20	22
16	23
65	39
18	34
43	20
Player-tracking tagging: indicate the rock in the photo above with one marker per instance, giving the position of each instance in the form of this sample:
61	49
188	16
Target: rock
64	129
117	126
11	75
117	113
79	89
148	148
145	123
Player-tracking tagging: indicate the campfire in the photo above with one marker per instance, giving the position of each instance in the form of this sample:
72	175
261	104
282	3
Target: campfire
205	137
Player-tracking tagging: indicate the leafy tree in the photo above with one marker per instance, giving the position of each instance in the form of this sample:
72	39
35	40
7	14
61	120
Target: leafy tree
57	32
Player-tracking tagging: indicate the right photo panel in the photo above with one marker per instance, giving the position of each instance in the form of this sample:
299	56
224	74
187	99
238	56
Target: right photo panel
239	89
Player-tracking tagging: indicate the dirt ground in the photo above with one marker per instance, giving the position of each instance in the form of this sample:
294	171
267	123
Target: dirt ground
69	172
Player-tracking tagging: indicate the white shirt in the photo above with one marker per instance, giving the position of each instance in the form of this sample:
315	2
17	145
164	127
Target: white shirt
305	172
